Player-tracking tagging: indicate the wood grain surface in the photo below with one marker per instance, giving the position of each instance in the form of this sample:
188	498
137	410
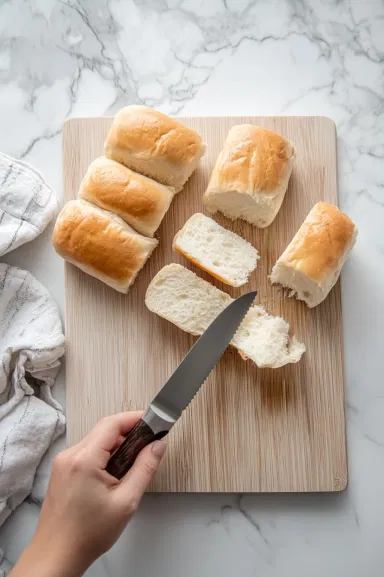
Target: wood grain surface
248	429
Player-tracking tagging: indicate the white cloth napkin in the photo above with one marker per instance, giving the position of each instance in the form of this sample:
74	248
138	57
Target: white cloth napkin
27	203
31	342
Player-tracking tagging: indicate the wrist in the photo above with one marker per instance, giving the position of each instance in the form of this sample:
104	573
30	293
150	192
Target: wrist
48	558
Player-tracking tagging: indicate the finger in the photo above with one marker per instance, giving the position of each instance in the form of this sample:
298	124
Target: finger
118	443
108	433
134	484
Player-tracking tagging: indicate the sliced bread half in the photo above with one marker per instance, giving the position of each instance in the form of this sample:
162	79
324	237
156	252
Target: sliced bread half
191	303
222	253
311	264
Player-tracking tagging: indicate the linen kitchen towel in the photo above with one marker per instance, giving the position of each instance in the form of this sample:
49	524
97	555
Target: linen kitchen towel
27	203
31	343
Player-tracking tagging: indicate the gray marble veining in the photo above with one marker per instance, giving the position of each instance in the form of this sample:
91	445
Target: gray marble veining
61	58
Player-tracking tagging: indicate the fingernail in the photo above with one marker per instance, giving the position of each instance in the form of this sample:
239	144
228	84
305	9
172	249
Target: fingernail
158	448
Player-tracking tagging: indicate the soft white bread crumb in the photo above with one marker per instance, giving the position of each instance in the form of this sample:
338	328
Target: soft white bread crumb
222	253
312	262
191	303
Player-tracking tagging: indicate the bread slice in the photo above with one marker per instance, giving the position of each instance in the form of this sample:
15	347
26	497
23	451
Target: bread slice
191	303
312	262
222	253
251	175
101	244
154	144
139	200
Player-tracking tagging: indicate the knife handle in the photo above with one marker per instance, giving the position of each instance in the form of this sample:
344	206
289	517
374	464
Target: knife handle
123	458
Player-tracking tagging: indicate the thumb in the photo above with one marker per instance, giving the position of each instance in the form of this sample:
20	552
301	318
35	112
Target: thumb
134	484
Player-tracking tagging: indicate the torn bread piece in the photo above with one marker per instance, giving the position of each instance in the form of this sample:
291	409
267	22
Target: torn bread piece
312	262
191	303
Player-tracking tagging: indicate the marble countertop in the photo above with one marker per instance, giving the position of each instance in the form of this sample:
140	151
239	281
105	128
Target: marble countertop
61	58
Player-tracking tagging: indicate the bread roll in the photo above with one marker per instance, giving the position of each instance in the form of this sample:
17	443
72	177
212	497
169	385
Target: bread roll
101	244
222	253
191	303
251	175
140	201
312	262
154	144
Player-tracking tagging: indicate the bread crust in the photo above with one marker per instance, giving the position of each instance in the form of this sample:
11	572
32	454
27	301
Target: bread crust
154	144
101	242
253	160
201	266
321	243
140	201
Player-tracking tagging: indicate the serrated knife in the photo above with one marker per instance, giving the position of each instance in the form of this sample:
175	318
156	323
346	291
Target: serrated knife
168	405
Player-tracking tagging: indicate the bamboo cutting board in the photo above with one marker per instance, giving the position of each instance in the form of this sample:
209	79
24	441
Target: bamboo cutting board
248	429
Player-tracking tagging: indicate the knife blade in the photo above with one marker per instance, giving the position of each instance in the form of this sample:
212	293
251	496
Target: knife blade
168	405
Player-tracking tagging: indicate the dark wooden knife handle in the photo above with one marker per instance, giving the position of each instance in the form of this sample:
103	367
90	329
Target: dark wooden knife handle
123	458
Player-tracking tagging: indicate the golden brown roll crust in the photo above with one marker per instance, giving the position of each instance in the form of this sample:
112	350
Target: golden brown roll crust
100	243
251	175
253	159
153	134
154	144
139	200
321	242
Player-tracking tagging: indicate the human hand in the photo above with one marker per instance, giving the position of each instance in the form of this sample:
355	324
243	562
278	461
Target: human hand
85	508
